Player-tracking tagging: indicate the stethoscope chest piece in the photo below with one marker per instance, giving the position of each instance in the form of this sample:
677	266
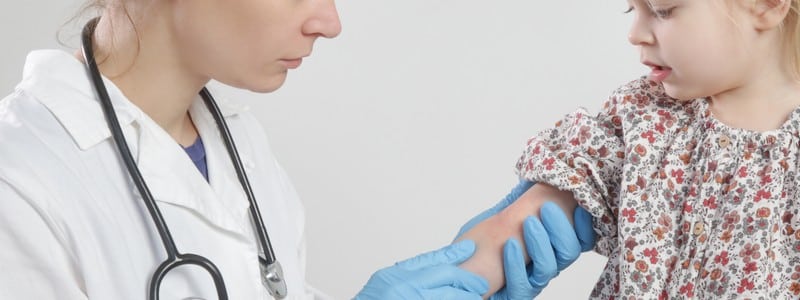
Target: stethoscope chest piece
272	278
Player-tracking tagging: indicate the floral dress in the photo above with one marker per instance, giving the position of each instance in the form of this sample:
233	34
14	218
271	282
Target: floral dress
684	206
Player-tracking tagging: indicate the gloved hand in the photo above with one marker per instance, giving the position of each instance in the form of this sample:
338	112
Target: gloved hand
432	275
553	244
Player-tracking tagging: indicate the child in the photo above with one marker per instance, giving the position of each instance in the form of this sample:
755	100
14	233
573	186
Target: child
692	174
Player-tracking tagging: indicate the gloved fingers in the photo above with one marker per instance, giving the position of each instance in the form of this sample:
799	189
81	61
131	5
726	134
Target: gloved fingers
452	254
562	235
449	293
517	283
517	191
450	276
543	259
583	229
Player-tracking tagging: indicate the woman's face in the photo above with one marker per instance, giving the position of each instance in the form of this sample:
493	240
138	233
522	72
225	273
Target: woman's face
250	44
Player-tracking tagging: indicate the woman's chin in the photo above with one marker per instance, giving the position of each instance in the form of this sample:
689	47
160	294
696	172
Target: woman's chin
267	85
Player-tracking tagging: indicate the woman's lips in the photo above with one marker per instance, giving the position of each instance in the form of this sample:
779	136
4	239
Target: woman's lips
292	63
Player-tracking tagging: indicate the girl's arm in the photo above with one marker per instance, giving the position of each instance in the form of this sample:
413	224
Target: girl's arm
491	234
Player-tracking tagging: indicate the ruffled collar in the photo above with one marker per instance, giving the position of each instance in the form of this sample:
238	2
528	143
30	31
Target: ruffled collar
789	130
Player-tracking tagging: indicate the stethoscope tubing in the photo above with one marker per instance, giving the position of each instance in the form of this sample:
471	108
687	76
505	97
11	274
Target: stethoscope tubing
233	152
174	257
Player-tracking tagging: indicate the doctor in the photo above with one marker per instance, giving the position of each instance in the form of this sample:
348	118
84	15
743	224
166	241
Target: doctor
73	224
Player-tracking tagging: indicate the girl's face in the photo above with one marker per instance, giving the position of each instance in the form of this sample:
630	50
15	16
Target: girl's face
696	48
250	44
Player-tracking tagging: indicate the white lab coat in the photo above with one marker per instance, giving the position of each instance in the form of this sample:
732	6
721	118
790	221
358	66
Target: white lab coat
72	224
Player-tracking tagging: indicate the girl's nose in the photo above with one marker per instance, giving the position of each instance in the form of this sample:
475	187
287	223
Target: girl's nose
640	33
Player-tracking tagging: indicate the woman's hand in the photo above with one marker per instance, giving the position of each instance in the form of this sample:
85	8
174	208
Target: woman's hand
432	275
552	243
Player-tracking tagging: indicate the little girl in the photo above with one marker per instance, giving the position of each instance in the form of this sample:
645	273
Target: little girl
692	174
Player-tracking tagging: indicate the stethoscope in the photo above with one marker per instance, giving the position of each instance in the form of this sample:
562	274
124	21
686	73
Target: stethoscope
271	271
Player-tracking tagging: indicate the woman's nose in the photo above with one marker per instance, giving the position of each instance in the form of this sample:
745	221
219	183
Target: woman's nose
324	20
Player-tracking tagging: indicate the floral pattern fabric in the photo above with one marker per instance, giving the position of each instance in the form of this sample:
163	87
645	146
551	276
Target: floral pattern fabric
684	205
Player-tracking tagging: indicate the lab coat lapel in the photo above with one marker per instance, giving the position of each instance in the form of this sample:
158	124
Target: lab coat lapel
221	173
174	179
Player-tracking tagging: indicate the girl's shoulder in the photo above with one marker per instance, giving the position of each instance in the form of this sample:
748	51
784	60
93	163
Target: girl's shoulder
643	97
643	105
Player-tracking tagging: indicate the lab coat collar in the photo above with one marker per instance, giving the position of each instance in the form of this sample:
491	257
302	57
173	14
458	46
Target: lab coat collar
61	83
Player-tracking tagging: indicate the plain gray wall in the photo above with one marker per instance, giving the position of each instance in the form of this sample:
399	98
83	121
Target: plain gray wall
410	122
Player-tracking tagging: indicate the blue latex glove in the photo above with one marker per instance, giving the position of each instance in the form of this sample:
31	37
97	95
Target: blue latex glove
432	275
553	244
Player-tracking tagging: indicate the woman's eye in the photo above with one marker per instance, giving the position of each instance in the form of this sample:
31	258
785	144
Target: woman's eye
630	9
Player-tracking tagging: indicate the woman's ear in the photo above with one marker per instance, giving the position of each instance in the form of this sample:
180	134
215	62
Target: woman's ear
769	14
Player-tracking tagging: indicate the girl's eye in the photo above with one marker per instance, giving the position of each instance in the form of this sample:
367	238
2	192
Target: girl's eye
663	13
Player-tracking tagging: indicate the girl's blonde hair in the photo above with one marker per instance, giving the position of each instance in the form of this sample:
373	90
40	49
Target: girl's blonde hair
791	30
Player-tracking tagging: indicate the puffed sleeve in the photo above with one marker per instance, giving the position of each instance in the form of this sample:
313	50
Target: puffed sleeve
583	154
35	264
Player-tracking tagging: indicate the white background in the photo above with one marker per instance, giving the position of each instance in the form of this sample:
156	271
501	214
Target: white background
410	122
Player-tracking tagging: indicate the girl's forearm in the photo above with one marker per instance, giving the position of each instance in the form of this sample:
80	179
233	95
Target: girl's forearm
491	234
